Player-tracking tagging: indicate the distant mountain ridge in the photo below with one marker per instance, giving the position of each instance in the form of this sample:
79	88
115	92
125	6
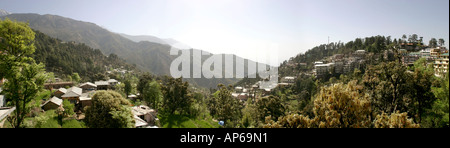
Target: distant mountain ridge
172	42
4	12
147	56
139	38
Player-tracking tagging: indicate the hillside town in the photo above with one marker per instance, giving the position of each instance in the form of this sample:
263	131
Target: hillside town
345	63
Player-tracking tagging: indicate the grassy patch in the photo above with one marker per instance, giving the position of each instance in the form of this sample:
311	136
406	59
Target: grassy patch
72	123
180	121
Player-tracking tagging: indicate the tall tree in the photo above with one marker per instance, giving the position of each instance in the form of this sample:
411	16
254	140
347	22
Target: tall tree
387	84
432	43
270	106
226	107
109	110
176	96
420	84
152	94
403	38
25	77
441	42
76	78
127	87
144	79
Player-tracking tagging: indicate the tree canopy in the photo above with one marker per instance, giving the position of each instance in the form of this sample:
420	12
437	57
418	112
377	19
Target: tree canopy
109	110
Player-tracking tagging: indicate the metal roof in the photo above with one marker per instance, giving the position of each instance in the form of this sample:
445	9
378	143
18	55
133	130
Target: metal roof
54	100
73	92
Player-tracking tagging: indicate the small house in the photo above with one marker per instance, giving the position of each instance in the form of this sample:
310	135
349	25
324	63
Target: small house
59	92
52	103
73	95
88	86
288	80
85	101
144	113
102	85
238	89
113	82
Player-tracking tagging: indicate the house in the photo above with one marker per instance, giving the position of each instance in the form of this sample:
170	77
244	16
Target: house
288	79
73	95
85	101
282	85
238	89
88	86
410	58
5	112
435	52
132	97
359	54
113	82
52	103
338	57
339	67
266	91
240	96
144	116
323	69
102	85
59	92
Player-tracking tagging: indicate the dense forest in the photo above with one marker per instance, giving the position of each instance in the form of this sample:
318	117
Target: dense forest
64	58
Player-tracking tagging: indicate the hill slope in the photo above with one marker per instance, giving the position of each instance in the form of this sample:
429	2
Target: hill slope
66	58
147	56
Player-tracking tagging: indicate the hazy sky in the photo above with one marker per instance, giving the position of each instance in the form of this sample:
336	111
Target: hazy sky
251	27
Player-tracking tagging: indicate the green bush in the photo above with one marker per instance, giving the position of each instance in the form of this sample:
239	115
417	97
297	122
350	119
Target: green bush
72	123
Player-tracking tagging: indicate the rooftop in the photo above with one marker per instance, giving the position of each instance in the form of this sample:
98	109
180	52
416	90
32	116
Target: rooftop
63	90
73	92
5	111
85	99
55	100
141	110
112	81
89	84
289	78
101	83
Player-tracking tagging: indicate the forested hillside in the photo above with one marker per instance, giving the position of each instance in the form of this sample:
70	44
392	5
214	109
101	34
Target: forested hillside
64	58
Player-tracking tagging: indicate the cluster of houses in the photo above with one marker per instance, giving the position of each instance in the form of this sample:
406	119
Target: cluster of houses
80	96
339	63
437	56
260	88
345	63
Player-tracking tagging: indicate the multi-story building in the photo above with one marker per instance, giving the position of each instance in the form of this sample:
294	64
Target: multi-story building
323	69
436	52
441	64
410	58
